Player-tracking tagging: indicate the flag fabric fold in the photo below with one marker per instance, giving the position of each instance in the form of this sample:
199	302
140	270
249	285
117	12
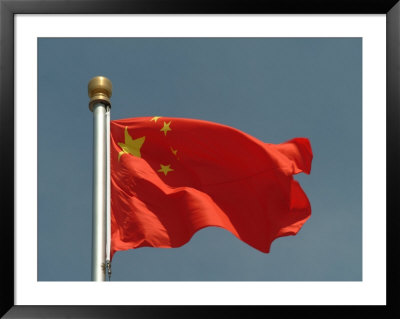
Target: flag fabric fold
171	177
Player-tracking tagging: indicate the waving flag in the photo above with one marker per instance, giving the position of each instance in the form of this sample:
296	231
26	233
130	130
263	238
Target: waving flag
171	177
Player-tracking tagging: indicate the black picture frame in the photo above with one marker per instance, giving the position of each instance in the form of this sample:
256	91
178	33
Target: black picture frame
8	10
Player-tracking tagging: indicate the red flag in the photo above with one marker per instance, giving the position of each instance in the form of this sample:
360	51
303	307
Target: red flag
171	177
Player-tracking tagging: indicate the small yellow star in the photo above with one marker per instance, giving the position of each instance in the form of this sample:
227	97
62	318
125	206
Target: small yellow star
174	151
131	146
155	118
165	169
166	128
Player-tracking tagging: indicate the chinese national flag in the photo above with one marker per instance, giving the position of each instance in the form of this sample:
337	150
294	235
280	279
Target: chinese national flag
171	177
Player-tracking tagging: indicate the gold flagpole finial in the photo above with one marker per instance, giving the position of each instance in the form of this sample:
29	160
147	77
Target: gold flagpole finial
99	90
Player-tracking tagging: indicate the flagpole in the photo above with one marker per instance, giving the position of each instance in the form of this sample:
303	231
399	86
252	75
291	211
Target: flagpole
99	90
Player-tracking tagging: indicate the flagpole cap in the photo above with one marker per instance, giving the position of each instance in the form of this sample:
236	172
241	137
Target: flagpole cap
99	91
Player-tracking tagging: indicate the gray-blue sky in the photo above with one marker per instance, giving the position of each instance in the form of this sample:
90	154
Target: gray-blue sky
272	88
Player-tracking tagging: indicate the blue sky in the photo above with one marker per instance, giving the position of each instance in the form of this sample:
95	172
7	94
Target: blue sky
272	88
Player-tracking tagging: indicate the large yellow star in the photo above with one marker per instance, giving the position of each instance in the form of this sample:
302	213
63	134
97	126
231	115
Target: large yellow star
155	118
131	146
166	128
165	169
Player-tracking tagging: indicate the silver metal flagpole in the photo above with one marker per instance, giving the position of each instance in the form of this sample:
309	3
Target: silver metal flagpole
99	90
108	196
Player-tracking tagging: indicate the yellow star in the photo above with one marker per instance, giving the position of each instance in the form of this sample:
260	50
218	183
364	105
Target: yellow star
155	118
174	151
165	169
131	146
166	128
